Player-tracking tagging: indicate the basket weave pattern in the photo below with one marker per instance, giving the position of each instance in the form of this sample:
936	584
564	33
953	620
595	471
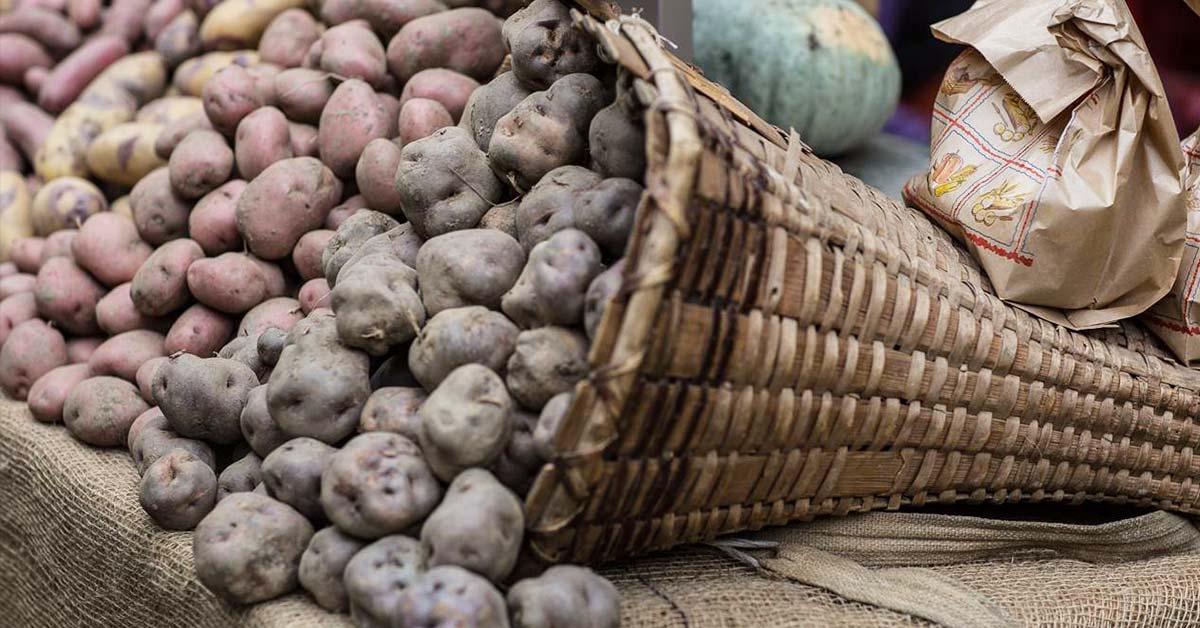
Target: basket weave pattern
791	343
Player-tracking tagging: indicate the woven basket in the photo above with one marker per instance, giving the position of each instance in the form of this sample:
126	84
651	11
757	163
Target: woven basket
791	343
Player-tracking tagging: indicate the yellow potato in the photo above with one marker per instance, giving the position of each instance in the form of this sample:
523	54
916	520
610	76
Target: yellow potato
193	74
125	153
234	24
122	206
65	203
15	219
168	109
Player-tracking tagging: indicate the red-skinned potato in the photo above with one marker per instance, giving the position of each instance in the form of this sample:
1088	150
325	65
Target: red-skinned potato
420	117
199	330
352	118
145	377
109	247
231	95
280	312
17	284
314	294
71	75
31	350
49	393
352	50
306	257
15	310
26	253
287	38
262	138
344	211
67	296
234	282
447	87
116	313
174	131
304	139
100	410
464	40
161	215
386	16
375	175
60	243
290	198
160	285
122	355
200	163
301	93
213	221
80	350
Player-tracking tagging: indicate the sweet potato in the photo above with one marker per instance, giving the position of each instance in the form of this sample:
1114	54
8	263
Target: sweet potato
447	87
65	203
71	75
262	138
125	153
234	24
546	362
286	40
178	490
464	40
160	285
100	410
353	51
377	305
454	337
199	330
445	183
203	398
14	310
194	74
49	393
301	93
200	163
375	175
322	566
306	257
20	54
281	312
108	246
290	198
234	282
351	119
16	217
546	45
420	117
377	485
122	355
179	41
466	421
212	223
551	289
31	350
67	296
351	235
386	16
161	215
470	267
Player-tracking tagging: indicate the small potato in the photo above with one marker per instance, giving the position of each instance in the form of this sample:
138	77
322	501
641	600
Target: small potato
602	290
464	40
229	96
547	361
195	73
393	409
160	14
565	595
244	349
19	283
31	350
59	244
248	548
67	296
550	206
99	410
145	377
199	330
178	42
451	596
551	289
376	577
20	55
262	138
42	24
617	144
281	312
377	305
445	183
234	24
287	38
351	235
234	282
420	117
121	207
160	286
547	424
376	176
292	474
14	310
353	51
124	19
322	566
109	247
520	463
16	218
458	336
270	344
301	93
290	198
342	212
125	153
313	294
466	421
377	485
477	526
546	45
123	354
385	16
173	132
470	267
149	420
447	87
203	397
399	244
306	257
65	203
161	215
26	253
606	213
319	385
304	138
240	477
200	163
48	394
213	221
352	118
178	490
259	429
155	440
80	350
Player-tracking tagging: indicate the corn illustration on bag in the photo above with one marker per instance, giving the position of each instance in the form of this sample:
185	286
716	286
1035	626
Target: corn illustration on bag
1176	319
1055	160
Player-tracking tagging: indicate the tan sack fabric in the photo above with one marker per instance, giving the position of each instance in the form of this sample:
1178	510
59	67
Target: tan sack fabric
1055	160
1176	319
76	550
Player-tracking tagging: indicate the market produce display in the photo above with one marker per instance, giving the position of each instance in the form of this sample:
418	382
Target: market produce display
328	272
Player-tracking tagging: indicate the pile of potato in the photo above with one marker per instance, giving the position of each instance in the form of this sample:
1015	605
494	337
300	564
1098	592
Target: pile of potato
329	272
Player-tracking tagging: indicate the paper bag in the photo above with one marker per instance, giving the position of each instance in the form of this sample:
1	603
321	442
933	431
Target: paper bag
1055	160
1176	319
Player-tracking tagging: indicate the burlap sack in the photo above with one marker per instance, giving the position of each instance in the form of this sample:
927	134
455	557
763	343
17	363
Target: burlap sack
76	550
1055	160
1176	319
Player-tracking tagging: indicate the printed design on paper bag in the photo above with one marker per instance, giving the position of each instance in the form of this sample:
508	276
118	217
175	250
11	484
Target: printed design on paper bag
1017	118
1174	312
948	173
998	203
960	78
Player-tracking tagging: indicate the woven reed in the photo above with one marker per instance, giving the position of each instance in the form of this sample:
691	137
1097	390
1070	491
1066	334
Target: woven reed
791	343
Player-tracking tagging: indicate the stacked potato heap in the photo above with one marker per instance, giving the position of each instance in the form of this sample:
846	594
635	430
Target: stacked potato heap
342	293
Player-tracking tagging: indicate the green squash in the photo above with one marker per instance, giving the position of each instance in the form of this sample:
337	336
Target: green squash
822	67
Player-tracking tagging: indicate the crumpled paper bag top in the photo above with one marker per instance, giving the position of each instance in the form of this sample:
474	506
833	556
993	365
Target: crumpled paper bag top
1055	160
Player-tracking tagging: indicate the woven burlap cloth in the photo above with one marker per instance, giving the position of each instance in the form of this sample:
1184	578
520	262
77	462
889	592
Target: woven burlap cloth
77	550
